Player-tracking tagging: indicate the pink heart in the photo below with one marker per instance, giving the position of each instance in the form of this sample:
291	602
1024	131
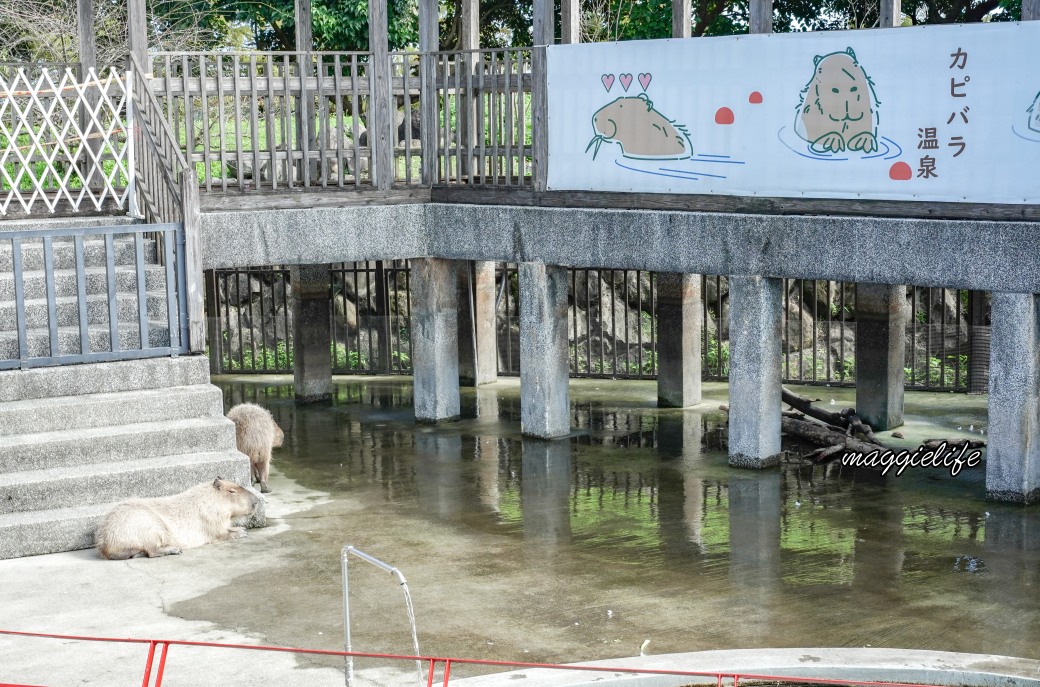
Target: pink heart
608	81
626	81
644	80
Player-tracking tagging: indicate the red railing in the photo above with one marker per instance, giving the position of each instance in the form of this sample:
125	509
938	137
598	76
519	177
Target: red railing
164	646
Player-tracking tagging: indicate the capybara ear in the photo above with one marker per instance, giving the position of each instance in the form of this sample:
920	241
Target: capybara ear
216	482
851	53
816	60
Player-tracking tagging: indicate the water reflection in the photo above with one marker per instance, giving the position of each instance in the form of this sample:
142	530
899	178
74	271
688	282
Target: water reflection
642	502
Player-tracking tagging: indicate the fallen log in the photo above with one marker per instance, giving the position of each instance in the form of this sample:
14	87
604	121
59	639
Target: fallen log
846	419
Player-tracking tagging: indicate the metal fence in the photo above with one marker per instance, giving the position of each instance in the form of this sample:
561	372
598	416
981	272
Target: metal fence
91	295
612	325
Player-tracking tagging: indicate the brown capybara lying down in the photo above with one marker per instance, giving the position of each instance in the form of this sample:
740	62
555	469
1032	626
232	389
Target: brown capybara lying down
256	433
164	525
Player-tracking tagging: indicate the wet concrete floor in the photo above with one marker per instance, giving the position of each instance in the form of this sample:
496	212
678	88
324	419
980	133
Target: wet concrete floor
632	530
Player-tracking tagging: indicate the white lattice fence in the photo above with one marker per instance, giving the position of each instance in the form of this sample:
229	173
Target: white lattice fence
64	142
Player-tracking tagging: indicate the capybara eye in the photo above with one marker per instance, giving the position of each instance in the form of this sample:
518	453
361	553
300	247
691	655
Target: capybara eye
834	90
854	89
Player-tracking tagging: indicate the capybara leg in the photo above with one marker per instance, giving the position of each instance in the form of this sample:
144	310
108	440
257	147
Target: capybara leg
162	551
265	471
236	532
123	554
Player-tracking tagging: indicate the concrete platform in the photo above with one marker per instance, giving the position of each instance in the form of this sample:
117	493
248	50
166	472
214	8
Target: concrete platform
79	594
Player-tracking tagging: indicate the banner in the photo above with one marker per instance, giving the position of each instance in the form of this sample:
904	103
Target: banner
936	113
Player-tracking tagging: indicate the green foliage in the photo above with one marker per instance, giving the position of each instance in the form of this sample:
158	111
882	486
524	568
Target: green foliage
336	24
262	358
941	372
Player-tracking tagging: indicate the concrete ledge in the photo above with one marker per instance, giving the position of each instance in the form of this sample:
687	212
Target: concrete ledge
887	665
972	254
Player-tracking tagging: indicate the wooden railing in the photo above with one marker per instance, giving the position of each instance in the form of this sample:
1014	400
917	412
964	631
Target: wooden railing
167	192
291	120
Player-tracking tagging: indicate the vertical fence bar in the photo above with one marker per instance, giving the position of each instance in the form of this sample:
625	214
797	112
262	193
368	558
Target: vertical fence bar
81	297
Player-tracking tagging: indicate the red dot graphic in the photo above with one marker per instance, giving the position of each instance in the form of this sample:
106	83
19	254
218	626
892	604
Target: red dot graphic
724	115
900	171
755	98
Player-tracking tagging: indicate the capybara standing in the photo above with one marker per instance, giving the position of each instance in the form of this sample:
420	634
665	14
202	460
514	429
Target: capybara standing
166	524
256	433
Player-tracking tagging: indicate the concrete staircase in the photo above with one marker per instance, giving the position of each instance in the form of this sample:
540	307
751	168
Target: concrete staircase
74	440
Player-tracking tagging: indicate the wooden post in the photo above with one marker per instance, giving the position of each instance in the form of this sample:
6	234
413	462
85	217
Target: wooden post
381	111
305	125
196	295
682	17
88	62
570	21
891	14
85	31
543	35
1030	10
137	19
429	42
467	66
761	16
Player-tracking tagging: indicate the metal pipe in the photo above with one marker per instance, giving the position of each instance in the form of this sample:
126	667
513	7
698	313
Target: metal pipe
397	574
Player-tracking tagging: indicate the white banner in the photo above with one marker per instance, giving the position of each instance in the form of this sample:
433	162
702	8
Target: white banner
937	113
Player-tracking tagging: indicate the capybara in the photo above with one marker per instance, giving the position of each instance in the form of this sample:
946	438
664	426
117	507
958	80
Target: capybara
164	525
256	433
838	110
640	130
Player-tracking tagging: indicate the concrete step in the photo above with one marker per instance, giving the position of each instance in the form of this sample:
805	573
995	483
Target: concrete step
38	341
30	533
67	310
53	488
64	253
78	222
108	409
96	445
98	378
95	281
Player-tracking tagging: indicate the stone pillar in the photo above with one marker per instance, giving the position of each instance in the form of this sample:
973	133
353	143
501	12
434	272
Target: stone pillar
545	489
312	337
435	344
478	343
1013	451
880	354
754	374
679	323
544	397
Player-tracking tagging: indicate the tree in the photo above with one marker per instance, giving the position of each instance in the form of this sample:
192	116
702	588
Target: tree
337	25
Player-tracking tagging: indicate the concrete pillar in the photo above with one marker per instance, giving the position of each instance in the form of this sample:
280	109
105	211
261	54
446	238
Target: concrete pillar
1013	451
754	374
754	557
312	356
478	345
544	397
881	314
435	343
545	489
679	324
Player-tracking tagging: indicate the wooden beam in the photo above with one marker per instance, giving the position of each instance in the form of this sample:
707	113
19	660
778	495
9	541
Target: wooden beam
304	25
1030	10
543	35
381	112
469	31
570	21
85	31
682	18
891	14
137	19
429	42
761	16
